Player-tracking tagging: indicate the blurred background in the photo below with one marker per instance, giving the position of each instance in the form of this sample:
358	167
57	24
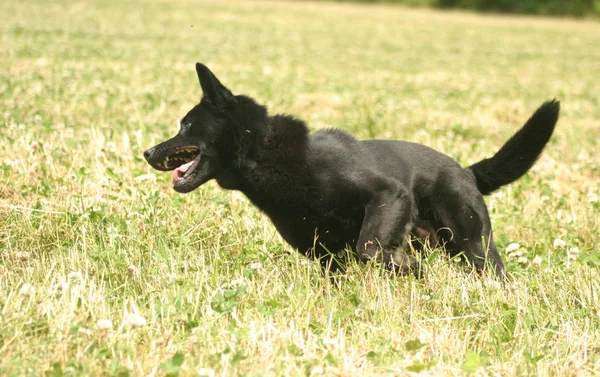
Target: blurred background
546	7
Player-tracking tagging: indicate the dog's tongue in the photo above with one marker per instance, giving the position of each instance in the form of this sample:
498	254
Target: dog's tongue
180	171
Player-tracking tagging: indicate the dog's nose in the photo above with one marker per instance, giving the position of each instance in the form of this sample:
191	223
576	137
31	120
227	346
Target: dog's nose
147	154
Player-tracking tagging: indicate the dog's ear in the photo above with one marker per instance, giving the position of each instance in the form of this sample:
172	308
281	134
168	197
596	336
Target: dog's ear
212	88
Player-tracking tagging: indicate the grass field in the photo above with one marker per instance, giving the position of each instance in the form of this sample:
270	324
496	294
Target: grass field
104	270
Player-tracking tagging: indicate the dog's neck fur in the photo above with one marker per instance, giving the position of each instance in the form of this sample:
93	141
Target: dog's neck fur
259	136
261	143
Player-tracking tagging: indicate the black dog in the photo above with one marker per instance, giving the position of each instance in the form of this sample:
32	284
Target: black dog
326	192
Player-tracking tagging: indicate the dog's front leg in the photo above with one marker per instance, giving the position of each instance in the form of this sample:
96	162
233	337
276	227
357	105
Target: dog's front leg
387	217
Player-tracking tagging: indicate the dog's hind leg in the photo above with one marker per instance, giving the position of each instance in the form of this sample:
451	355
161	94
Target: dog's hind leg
385	224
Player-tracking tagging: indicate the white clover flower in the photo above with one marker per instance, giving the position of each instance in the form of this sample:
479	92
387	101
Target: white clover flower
537	260
236	282
135	320
358	312
559	244
27	289
522	260
75	277
112	230
104	324
573	253
146	177
512	247
22	255
514	250
205	372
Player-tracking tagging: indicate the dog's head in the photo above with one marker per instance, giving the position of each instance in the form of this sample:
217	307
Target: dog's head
194	154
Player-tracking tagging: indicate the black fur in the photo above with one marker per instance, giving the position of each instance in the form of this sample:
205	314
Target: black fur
519	153
326	192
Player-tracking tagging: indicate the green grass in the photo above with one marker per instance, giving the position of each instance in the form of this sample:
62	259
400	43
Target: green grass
201	284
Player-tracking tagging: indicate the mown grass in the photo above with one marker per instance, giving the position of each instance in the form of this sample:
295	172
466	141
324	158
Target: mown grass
104	270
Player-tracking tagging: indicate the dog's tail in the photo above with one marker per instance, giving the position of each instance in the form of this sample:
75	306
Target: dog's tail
519	153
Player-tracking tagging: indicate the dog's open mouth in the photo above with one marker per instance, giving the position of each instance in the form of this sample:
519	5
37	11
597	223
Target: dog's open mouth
183	162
